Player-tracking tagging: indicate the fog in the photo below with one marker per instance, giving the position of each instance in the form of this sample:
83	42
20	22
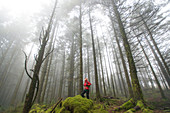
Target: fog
24	23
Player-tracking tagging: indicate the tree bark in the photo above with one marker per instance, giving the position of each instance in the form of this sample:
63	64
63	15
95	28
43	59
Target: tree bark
94	59
153	72
81	56
156	47
46	79
122	59
35	79
45	66
101	63
6	51
159	62
138	95
7	68
19	82
118	64
71	73
111	74
62	77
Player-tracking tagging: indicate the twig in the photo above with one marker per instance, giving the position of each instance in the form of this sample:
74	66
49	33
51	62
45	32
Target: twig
47	54
35	56
56	105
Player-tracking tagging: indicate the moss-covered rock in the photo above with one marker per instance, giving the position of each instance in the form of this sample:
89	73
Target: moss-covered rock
98	108
127	105
57	110
140	104
36	108
146	110
76	104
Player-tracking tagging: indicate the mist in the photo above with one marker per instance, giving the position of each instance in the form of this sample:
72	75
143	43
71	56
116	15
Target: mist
48	48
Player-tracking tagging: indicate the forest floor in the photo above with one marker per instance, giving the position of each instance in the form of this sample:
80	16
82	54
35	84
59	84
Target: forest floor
157	105
107	105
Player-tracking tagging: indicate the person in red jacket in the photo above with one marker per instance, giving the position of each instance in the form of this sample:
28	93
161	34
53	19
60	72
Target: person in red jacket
86	88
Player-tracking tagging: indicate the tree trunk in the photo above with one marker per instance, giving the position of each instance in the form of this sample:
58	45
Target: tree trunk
7	68
153	72
94	59
109	88
45	65
54	95
156	47
35	79
62	77
19	82
118	64
122	59
138	95
81	56
111	74
88	63
159	63
4	55
27	84
71	73
46	79
101	63
144	79
100	83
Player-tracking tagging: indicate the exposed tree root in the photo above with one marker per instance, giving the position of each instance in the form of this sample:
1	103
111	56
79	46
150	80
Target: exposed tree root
132	106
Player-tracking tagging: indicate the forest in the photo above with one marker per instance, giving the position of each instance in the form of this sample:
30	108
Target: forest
50	49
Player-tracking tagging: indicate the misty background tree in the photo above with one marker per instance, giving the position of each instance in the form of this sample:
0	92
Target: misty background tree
121	46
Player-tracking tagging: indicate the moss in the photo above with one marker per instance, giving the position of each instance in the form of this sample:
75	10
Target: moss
98	108
63	110
48	110
57	109
127	105
132	110
36	108
147	111
97	111
76	104
44	106
140	104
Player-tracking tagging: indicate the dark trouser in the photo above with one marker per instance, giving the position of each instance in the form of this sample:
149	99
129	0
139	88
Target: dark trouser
87	93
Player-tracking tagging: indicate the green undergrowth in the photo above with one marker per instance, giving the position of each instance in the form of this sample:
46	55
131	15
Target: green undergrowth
37	108
131	106
78	104
11	109
110	102
75	104
98	108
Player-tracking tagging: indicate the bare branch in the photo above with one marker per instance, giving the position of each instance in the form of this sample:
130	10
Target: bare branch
138	60
47	54
26	65
32	70
35	56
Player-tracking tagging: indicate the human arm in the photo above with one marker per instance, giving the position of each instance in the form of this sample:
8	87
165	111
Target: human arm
88	83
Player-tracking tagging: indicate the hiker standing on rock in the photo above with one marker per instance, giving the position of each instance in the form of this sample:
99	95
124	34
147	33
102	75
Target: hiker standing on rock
86	88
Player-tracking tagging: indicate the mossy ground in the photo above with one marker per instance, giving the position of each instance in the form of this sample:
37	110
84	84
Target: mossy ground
78	104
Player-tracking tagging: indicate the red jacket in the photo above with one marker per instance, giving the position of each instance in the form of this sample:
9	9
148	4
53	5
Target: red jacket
87	84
